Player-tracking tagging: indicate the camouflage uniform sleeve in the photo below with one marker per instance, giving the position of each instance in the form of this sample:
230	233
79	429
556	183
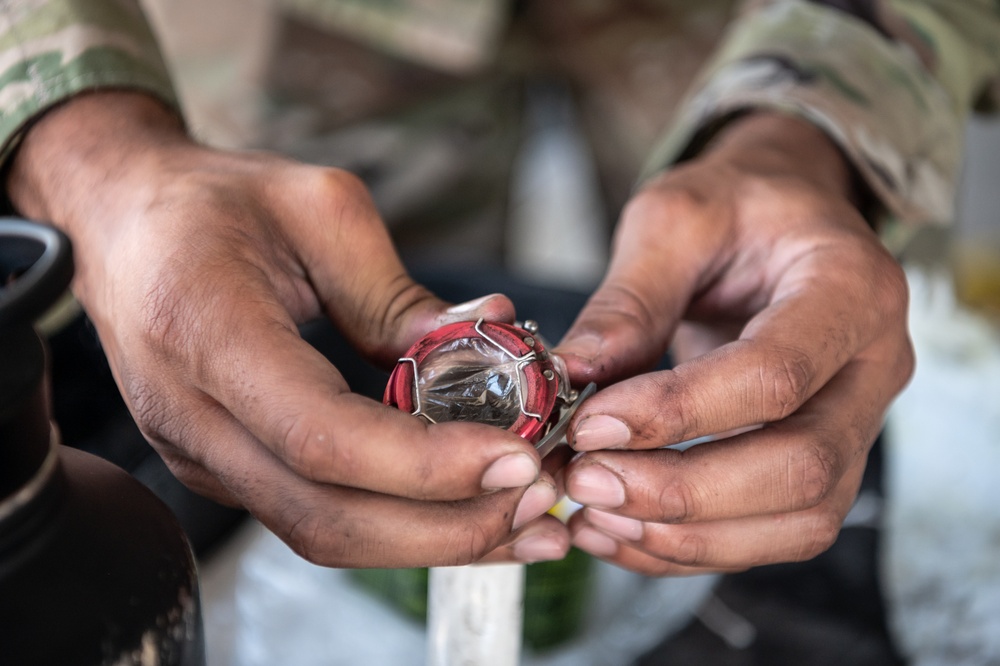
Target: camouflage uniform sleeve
892	85
53	49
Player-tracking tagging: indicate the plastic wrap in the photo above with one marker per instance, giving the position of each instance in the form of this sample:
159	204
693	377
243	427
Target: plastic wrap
470	379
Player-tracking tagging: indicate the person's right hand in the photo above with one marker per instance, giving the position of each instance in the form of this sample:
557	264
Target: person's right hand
197	265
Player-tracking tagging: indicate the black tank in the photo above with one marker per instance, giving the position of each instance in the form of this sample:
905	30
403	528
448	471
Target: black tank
94	569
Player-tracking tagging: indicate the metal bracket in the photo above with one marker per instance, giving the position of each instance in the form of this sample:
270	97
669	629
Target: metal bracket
556	433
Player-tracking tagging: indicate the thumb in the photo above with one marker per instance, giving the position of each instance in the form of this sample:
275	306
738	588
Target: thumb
358	276
627	324
619	333
392	314
433	313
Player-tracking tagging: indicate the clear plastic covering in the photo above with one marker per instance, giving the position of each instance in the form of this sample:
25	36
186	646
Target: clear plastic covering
470	379
559	365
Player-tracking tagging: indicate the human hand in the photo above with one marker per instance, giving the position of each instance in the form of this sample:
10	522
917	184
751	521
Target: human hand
788	313
197	265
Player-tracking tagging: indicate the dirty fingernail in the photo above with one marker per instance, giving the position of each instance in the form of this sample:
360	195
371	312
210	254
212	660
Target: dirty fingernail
537	499
539	548
514	470
595	543
601	432
593	485
623	527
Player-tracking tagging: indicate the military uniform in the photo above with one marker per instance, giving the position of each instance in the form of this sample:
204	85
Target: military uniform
891	81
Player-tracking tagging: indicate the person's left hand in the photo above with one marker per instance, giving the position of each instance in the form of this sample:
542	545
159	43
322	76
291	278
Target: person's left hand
794	319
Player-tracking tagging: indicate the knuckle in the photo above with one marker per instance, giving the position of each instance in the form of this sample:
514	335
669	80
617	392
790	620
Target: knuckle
477	544
191	474
340	181
813	473
689	549
894	294
785	384
427	483
677	416
153	409
337	192
467	542
887	287
316	453
675	502
680	419
823	533
398	297
166	311
309	535
480	526
906	363
335	539
663	199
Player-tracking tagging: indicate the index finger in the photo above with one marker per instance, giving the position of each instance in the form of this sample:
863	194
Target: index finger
786	467
327	434
661	247
825	311
298	405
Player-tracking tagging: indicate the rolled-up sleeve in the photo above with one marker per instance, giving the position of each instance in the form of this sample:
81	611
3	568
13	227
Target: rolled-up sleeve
51	50
893	90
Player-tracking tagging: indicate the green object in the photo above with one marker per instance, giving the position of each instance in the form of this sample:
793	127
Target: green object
555	596
403	589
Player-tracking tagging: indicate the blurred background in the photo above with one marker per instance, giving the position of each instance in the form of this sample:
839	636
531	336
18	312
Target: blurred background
516	179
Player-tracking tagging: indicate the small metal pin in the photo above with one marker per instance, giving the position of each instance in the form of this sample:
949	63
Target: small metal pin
549	375
557	433
531	326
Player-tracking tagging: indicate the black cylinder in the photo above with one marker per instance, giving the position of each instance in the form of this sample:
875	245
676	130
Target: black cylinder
94	569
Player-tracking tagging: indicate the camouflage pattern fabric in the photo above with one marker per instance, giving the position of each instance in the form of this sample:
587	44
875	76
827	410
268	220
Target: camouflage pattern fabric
896	106
452	35
617	70
890	80
53	49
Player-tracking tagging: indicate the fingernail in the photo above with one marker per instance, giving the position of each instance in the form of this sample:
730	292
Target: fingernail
514	470
624	527
593	485
539	548
469	306
595	543
586	346
537	499
601	432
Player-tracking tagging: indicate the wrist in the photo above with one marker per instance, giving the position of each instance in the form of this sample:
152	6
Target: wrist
90	154
779	144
